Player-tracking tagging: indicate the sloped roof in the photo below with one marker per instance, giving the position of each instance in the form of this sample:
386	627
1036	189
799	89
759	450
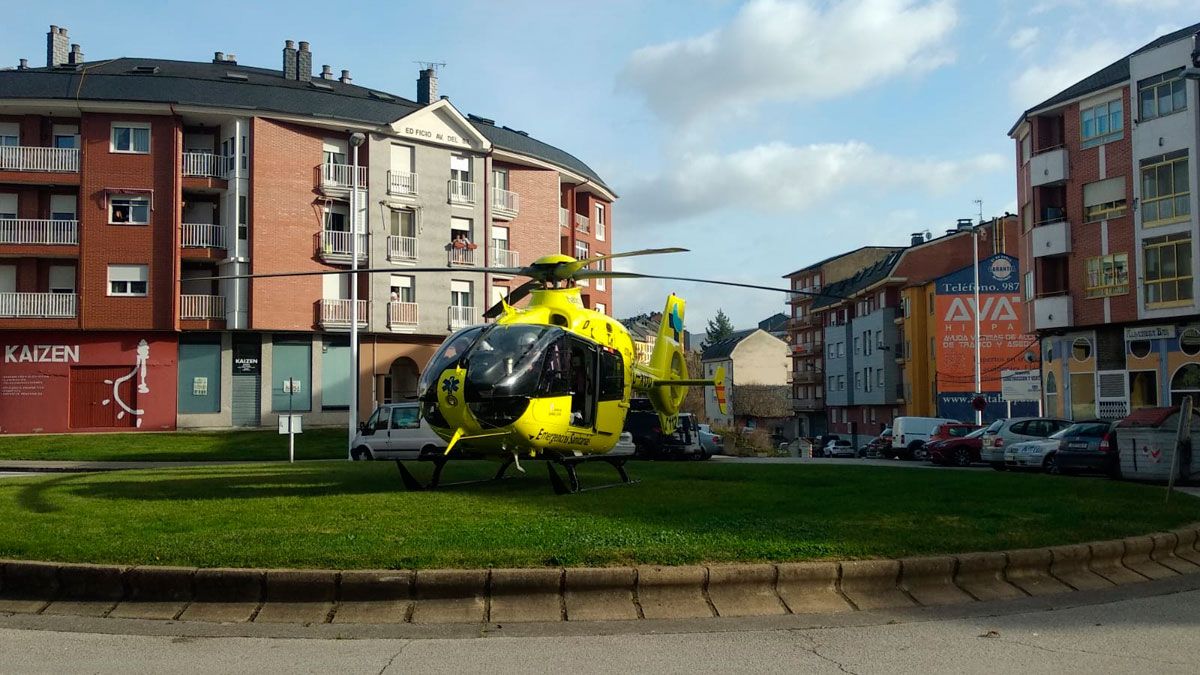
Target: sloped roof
866	277
721	349
1112	74
832	258
774	323
252	89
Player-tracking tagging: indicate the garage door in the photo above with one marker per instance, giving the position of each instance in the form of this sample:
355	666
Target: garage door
95	403
246	389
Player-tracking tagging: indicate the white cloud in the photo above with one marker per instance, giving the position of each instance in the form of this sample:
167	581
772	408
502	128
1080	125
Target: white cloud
791	50
1068	65
1023	38
778	177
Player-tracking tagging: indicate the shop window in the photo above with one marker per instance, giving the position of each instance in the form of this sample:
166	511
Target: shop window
1140	348
1081	349
1185	382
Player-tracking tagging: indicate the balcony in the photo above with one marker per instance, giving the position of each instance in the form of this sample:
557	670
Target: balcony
402	249
402	316
402	183
806	377
340	177
461	192
206	165
201	307
27	158
202	235
334	246
335	313
39	232
461	257
808	404
1049	167
564	217
505	204
38	305
1052	312
1052	238
582	224
502	257
461	317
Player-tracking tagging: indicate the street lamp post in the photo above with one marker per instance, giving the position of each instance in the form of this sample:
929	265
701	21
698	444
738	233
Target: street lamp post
356	139
975	267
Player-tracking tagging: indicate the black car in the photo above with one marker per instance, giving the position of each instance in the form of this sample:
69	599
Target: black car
650	441
1089	447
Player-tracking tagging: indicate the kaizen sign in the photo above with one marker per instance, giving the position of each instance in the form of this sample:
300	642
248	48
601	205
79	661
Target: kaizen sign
41	353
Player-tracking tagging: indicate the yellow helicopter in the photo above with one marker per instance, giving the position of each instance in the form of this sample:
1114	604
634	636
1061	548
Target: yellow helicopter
552	380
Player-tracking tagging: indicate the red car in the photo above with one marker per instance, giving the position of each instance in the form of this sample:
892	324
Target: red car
958	445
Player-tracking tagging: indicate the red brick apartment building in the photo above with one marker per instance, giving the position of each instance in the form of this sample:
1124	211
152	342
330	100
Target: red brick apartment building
128	184
1106	184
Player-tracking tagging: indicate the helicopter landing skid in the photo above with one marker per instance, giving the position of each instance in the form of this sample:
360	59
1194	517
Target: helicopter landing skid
571	485
413	485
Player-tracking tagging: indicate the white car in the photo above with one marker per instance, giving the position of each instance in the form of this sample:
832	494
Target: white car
395	431
838	448
1036	454
710	441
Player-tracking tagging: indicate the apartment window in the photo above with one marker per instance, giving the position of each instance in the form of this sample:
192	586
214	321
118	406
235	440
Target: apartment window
62	279
600	222
832	383
243	229
1101	124
8	206
460	229
601	266
1104	199
832	351
403	223
841	352
334	149
127	280
1029	285
906	307
1108	275
857	345
858	381
1168	269
128	210
460	293
1162	95
841	383
1026	147
1027	218
867	379
63	207
879	378
66	136
403	289
245	154
1166	197
10	134
581	250
601	308
460	168
130	137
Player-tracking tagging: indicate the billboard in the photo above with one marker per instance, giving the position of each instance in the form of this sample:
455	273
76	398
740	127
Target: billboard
1002	343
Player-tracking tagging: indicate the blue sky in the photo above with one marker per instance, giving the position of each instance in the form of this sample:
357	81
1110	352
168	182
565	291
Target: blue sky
762	135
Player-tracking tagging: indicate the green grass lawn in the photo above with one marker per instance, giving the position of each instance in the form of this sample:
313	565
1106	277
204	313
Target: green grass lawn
356	515
257	445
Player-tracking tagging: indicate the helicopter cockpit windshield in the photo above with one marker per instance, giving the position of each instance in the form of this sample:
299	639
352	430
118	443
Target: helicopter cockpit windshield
450	353
516	360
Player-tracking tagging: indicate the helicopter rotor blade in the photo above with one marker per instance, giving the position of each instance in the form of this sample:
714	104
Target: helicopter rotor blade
514	296
631	254
608	274
507	271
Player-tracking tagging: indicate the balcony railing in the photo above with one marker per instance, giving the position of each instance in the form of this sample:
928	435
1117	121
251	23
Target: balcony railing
461	192
38	305
51	232
201	307
581	223
402	248
502	257
202	235
461	317
462	256
335	245
341	176
28	158
402	315
335	313
505	203
402	183
206	165
564	217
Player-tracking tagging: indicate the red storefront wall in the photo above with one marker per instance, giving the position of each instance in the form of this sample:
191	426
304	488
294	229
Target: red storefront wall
56	382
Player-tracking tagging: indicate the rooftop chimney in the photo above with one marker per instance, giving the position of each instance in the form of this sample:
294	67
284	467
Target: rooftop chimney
427	86
56	47
918	238
304	63
289	60
345	77
76	55
965	223
218	57
23	65
326	72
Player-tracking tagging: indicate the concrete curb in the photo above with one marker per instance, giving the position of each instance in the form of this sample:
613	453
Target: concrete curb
587	594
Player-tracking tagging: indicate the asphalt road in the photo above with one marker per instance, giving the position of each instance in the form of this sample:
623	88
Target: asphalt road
1154	633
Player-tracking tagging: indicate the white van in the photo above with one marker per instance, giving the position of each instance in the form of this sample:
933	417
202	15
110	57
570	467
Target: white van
910	434
395	431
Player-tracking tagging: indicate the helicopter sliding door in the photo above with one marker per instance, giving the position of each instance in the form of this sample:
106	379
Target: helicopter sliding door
583	382
610	413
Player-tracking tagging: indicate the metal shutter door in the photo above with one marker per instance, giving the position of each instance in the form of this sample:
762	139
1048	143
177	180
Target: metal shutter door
246	400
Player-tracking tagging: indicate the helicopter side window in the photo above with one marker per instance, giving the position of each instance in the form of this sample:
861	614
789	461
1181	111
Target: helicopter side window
612	376
583	383
556	379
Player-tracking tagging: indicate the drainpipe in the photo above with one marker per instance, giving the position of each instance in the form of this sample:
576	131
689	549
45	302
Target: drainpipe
487	228
176	221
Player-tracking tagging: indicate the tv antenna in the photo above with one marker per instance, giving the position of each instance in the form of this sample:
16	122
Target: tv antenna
431	65
979	203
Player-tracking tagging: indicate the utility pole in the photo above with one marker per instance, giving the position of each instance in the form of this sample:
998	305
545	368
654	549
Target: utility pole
356	139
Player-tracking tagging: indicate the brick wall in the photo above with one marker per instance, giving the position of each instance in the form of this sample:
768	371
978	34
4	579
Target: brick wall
533	233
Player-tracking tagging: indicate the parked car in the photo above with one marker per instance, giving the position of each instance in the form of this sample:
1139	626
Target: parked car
652	443
710	441
876	446
1003	433
395	431
956	450
1036	454
910	434
838	448
1089	446
949	430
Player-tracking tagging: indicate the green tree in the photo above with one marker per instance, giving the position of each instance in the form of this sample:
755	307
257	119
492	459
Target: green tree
718	329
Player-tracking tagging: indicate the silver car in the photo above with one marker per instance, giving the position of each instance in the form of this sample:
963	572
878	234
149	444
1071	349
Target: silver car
1003	434
710	441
